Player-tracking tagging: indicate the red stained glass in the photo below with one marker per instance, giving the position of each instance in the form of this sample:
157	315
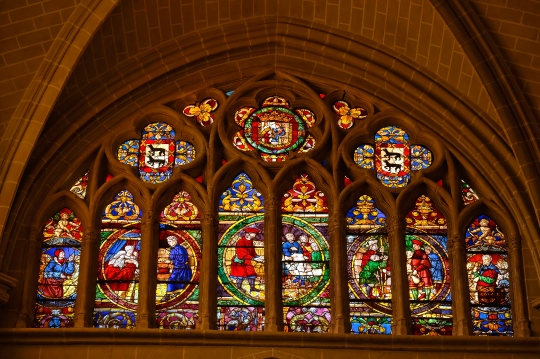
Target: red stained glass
304	197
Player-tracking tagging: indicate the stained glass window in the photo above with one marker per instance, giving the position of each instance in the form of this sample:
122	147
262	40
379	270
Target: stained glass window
368	268
420	158
156	153
428	269
489	278
274	129
58	271
363	156
185	153
128	153
203	112
179	258
79	188
241	257
305	258
393	157
118	264
347	115
467	193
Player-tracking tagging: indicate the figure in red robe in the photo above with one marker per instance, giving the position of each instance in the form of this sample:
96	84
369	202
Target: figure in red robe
122	268
241	265
420	266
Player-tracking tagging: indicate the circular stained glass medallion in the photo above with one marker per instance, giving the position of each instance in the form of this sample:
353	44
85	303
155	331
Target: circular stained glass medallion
275	130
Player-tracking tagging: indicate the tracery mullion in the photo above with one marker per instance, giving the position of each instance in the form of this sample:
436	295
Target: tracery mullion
272	253
338	273
87	279
208	279
519	305
459	281
148	281
401	321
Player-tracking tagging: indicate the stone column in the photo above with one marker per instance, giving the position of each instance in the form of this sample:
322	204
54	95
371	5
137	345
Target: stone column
338	274
208	277
272	265
522	327
26	311
86	286
401	321
461	304
147	271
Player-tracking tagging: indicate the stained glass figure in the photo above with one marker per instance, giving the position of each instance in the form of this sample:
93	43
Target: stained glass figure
368	269
420	158
203	112
118	264
128	153
241	257
185	153
347	115
179	258
274	130
79	188
58	271
428	269
489	278
469	196
363	156
156	153
305	258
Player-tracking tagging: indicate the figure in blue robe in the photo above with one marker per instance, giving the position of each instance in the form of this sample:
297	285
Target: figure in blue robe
181	271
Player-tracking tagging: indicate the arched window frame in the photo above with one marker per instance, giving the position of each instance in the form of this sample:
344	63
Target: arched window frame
336	220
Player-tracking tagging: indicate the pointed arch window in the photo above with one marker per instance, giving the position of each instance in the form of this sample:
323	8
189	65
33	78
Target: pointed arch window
305	258
117	291
58	271
368	269
428	272
241	257
489	278
178	264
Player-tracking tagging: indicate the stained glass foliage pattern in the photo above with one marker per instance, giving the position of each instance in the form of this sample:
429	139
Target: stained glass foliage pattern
185	153
241	257
304	197
368	269
305	258
118	264
363	156
58	271
79	188
421	158
128	153
274	129
347	115
467	193
489	278
428	269
203	112
178	264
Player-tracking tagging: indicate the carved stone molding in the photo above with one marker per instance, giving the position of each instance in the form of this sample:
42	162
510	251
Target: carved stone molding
7	283
513	243
453	243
